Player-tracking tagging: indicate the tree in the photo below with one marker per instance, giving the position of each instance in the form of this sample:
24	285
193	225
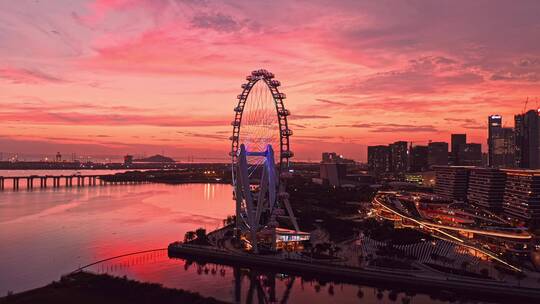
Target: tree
333	250
319	248
308	246
326	247
189	236
230	220
200	233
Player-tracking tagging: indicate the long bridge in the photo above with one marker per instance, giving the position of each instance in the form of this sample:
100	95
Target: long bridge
61	180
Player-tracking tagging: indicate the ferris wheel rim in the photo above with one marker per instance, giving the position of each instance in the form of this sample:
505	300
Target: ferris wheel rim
284	132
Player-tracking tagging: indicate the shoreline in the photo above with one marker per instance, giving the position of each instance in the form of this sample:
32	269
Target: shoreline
86	287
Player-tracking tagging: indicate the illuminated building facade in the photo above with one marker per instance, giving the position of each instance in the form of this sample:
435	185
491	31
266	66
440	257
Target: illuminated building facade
522	195
399	156
282	239
496	143
501	152
494	126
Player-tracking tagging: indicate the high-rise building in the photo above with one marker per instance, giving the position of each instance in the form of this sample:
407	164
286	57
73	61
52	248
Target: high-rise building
518	139
379	159
418	158
494	126
522	195
458	142
451	182
486	188
438	154
328	157
527	139
502	149
399	155
470	154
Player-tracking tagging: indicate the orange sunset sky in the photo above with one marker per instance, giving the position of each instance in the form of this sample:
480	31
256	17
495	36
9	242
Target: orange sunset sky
110	77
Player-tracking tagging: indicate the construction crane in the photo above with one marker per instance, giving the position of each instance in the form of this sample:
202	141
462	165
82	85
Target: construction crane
525	106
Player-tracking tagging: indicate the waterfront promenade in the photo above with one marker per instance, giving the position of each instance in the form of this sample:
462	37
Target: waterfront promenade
335	271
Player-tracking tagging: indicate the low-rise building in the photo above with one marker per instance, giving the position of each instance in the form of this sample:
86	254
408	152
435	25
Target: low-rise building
452	182
521	199
486	188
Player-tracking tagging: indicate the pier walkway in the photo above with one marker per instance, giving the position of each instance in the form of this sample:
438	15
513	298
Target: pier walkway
56	181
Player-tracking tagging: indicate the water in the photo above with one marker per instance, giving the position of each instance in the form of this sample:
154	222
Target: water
46	233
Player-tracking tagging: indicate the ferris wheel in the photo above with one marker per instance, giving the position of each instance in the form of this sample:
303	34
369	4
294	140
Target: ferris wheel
260	126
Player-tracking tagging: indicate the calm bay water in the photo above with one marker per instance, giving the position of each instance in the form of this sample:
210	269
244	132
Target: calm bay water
46	233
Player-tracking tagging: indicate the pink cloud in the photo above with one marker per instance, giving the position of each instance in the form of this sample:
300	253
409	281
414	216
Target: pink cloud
416	66
78	118
28	76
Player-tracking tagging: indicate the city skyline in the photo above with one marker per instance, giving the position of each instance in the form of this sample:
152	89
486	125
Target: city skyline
117	77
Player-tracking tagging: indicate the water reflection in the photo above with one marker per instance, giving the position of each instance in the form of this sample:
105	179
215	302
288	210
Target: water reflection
50	232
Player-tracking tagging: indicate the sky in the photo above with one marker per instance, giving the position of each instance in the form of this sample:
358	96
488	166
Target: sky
110	77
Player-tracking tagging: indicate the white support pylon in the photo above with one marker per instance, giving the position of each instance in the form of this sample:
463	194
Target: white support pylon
248	209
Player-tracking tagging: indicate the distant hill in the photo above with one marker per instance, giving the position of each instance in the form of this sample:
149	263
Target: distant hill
155	159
